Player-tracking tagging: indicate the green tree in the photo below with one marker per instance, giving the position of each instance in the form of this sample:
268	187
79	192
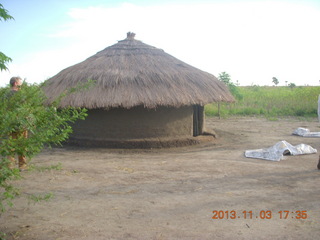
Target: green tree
226	79
291	85
4	15
46	125
275	81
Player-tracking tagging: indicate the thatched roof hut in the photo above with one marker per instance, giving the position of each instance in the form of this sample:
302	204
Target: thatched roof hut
134	79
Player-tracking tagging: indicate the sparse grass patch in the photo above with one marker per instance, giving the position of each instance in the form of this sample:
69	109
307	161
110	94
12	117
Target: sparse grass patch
38	198
56	167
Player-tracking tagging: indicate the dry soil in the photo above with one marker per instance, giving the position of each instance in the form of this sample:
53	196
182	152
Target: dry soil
173	193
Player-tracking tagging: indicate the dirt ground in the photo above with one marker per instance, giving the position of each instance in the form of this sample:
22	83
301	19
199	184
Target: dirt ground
172	193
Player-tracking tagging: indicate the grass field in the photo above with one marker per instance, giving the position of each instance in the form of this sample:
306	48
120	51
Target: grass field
270	102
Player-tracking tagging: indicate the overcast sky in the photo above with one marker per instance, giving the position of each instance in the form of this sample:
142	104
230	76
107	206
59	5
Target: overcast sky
253	41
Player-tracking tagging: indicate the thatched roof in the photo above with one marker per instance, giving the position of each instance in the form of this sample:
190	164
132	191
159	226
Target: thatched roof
132	73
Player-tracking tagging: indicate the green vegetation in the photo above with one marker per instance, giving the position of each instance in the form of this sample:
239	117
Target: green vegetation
226	79
270	102
46	124
57	167
39	197
28	111
4	60
2	236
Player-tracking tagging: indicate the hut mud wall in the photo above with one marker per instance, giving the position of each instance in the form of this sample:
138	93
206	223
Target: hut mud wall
136	127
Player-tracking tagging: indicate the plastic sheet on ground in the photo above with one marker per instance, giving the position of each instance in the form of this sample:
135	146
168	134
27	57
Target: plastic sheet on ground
277	152
305	132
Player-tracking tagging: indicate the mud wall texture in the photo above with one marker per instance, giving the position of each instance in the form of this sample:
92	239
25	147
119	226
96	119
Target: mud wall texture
137	123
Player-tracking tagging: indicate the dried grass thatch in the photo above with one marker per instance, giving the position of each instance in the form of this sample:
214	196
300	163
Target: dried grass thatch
131	73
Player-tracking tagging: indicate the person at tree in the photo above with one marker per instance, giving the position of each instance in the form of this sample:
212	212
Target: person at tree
16	83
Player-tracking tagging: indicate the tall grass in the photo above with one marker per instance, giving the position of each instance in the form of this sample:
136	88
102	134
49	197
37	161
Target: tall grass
270	102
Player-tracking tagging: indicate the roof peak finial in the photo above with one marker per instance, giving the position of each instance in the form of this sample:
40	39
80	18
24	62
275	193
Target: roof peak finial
130	35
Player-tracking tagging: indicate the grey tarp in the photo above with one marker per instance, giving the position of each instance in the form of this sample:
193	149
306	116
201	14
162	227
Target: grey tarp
305	132
277	151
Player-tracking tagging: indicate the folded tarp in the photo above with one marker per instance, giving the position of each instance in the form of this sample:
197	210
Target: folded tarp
305	132
277	151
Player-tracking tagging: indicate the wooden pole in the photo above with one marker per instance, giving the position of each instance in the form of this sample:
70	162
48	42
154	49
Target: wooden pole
219	106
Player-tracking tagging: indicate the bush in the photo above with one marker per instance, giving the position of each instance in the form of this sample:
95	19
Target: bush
46	125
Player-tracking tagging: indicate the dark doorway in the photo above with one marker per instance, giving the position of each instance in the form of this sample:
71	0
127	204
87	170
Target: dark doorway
198	120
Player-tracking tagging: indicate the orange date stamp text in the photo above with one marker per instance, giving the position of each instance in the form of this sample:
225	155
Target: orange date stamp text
262	214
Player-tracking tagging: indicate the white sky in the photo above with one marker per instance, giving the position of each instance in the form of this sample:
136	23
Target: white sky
253	41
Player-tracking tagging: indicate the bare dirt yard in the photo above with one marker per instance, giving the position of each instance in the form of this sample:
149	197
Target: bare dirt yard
173	193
